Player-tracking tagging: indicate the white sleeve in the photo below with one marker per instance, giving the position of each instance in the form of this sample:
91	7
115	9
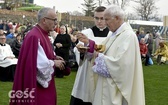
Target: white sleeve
45	67
77	54
2	56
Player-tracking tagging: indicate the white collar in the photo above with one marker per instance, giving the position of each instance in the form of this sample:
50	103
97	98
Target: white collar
114	33
101	29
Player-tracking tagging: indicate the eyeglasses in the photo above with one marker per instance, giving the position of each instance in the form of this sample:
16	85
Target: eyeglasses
98	18
55	20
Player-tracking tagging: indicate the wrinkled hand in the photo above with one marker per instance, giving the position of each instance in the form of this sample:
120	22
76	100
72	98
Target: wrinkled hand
59	58
60	64
83	38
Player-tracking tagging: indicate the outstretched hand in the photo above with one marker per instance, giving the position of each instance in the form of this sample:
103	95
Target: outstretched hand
83	38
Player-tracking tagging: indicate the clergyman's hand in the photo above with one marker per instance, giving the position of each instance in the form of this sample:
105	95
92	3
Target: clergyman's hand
60	64
59	58
83	38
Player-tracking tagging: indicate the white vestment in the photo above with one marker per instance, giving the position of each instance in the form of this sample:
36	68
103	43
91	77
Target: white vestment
85	81
123	61
5	51
45	67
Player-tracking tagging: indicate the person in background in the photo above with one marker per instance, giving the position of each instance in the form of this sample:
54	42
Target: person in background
8	61
141	35
37	61
11	37
119	67
53	34
138	35
73	38
146	36
158	39
150	44
161	53
16	45
144	51
5	27
62	45
83	89
72	57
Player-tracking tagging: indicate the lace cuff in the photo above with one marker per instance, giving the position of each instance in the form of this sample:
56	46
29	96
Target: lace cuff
100	66
44	80
45	68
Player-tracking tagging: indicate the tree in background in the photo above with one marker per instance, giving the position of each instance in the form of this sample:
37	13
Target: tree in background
146	9
121	3
89	7
100	2
11	4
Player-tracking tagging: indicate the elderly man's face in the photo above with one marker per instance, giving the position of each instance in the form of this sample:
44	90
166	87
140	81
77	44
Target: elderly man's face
111	22
2	39
51	20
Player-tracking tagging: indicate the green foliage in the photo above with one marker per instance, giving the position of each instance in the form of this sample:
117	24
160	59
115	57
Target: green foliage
35	8
155	79
89	7
29	5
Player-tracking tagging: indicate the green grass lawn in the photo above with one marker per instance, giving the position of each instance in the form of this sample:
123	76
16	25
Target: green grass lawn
156	86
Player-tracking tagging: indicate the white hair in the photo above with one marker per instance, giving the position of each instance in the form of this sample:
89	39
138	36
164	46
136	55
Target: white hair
114	10
158	34
42	13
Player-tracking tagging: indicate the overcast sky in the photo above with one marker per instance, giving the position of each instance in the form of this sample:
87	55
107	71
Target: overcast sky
75	5
163	7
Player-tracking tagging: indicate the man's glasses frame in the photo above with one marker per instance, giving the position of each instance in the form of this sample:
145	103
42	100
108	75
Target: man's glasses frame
55	20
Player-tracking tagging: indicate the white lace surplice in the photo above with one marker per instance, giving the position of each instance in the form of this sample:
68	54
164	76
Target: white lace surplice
45	68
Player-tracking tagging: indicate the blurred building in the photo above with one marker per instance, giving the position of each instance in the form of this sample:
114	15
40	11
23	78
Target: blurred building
31	1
